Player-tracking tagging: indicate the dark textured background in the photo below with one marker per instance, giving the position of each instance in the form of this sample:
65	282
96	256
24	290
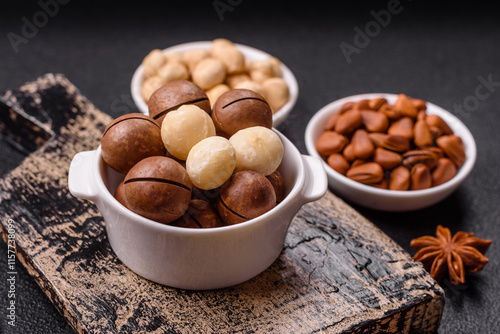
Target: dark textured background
431	51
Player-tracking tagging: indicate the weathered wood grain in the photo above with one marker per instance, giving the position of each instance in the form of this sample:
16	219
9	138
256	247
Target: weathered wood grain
337	272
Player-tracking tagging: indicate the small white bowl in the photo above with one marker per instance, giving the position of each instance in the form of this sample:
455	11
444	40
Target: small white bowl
249	52
383	199
197	259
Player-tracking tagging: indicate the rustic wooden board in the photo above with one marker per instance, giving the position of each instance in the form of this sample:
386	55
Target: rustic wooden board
337	272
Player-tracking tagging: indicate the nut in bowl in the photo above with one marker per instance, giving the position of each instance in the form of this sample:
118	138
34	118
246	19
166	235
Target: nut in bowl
204	258
236	66
428	161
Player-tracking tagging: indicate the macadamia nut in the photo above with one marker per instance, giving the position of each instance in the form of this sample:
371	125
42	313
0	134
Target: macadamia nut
264	65
149	86
193	57
214	92
261	70
199	214
152	62
211	162
247	195
173	57
233	79
251	85
276	66
208	73
231	57
172	95
257	148
173	70
157	188
220	43
276	93
129	139
183	128
239	109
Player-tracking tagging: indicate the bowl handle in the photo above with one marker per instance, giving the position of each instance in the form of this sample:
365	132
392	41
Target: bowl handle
81	182
316	182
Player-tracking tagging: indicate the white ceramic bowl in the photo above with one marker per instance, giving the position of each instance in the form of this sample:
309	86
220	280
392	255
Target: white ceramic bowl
203	258
382	199
249	53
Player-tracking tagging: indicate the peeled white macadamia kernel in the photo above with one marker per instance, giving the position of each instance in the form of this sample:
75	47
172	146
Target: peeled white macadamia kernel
211	162
257	148
183	128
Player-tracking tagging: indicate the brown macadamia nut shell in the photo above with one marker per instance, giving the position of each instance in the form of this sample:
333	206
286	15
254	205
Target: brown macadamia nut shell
238	109
158	188
200	214
129	139
120	194
245	196
278	184
173	95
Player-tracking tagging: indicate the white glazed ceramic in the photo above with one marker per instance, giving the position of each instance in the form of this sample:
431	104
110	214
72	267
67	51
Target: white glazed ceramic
197	259
382	199
249	53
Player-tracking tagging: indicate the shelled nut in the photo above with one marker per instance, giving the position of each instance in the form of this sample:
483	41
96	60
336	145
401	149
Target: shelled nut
453	147
367	173
330	142
420	177
399	179
338	162
445	170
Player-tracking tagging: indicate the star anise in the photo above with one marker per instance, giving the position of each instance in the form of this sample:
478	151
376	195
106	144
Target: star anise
458	255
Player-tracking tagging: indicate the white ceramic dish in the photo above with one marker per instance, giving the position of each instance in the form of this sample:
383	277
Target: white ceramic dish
204	258
382	199
249	53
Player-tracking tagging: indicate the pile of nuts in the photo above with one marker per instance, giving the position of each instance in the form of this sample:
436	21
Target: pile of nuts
396	147
190	166
216	71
